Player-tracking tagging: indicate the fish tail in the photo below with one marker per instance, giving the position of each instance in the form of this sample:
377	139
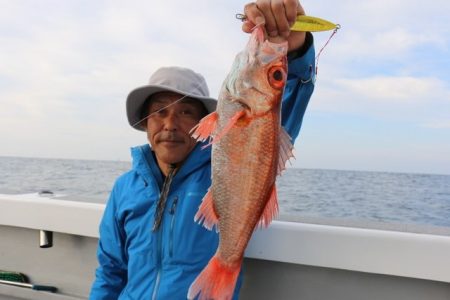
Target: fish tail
216	281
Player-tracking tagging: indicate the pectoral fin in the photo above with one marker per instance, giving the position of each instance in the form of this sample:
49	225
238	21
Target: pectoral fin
205	127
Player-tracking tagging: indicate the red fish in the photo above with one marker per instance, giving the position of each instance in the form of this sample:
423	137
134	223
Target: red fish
249	149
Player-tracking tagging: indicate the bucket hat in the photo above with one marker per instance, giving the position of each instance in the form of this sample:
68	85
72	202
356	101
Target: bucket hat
173	79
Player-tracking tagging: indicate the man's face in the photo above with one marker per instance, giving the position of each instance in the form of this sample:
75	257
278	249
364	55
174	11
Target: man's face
168	126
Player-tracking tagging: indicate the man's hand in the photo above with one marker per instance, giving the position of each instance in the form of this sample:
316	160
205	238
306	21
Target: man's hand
277	16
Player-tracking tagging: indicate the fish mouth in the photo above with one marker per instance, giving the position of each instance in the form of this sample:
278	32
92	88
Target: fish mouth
258	36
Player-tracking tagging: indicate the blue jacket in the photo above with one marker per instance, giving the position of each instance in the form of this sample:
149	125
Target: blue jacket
137	263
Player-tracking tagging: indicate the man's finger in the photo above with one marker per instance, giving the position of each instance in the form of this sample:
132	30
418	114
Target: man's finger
300	10
292	10
247	26
264	6
279	13
253	15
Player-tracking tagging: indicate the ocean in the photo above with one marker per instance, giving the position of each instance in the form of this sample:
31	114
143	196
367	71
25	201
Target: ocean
345	197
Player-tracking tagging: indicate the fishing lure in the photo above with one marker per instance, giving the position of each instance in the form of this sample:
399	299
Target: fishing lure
305	23
308	23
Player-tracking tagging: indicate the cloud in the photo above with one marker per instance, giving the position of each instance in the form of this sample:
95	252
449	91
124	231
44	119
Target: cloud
398	37
64	75
394	89
408	99
438	124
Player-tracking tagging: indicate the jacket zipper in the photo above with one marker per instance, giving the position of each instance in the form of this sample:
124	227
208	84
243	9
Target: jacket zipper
160	254
159	265
172	224
157	226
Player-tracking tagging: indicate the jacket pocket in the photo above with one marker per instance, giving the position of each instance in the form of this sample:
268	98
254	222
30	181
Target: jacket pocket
189	243
172	213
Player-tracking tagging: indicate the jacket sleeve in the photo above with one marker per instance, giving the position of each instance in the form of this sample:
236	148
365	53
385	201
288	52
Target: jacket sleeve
299	88
111	274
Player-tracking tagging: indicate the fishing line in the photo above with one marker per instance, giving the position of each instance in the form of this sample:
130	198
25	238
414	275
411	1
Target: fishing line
323	47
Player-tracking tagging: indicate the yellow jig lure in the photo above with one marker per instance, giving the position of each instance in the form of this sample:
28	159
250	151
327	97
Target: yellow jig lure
308	23
305	23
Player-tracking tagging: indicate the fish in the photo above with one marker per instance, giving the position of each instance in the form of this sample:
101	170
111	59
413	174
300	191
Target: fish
249	149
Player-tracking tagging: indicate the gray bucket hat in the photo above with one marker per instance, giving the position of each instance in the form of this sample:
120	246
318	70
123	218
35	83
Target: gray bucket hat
173	79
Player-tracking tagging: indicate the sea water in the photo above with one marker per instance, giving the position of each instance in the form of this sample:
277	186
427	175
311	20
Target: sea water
418	199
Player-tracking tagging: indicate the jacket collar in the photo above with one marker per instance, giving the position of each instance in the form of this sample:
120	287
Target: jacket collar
144	162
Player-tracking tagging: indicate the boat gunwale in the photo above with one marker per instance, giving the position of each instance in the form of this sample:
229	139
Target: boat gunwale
406	254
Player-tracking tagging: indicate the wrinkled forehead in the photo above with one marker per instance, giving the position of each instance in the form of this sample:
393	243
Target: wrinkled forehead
163	99
171	97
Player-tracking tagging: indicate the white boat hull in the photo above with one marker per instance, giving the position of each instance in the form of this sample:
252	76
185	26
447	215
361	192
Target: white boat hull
286	261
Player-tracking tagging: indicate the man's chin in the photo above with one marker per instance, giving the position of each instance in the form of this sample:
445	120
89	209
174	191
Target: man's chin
173	159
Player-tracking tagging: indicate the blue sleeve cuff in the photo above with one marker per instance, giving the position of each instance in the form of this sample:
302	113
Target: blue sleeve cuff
299	88
301	65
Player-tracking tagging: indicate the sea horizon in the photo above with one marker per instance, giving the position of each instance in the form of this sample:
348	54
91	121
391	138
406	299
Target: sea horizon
288	166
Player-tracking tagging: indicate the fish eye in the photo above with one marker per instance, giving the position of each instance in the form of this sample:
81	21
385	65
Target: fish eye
277	77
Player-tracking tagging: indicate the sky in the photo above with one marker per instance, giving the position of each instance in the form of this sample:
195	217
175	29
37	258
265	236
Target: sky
381	100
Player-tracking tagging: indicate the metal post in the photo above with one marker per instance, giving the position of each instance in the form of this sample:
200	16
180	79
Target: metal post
46	239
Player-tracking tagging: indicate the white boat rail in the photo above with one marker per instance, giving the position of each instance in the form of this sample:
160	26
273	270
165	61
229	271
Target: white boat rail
413	255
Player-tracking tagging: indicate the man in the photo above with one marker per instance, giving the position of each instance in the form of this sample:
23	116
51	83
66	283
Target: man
150	247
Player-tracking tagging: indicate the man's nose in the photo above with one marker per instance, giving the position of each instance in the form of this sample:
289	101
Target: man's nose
171	122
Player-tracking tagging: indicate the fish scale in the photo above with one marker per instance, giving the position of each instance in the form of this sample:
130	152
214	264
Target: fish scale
245	190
